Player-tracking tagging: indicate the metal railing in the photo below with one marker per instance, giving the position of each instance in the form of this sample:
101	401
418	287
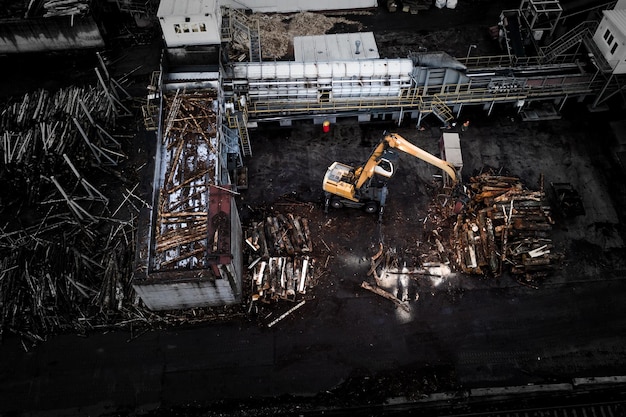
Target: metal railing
422	100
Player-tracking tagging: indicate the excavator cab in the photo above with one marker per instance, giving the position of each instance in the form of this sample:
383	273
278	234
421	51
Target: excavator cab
386	164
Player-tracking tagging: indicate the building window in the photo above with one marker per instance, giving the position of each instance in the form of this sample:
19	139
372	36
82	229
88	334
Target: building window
608	37
189	28
614	48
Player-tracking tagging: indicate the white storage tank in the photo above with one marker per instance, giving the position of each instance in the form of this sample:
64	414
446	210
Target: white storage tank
325	81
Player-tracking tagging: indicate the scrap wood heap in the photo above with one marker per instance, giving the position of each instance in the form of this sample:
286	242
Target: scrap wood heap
66	241
283	268
191	164
277	31
506	226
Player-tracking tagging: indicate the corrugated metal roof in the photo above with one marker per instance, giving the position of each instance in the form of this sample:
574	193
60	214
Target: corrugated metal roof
185	7
337	47
617	18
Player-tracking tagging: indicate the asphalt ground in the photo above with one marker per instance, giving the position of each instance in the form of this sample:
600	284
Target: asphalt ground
346	347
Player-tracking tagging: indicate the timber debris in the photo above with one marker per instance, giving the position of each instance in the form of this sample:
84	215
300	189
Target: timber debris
184	233
507	228
64	7
283	268
398	282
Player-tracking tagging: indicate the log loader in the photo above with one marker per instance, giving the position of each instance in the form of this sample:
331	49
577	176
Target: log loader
365	186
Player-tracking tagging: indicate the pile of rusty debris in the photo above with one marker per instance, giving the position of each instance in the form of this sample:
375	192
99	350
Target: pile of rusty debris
506	227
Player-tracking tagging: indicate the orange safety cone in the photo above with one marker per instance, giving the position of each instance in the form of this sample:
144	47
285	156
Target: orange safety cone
326	126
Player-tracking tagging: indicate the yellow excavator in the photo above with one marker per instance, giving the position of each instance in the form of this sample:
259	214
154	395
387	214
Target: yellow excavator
365	186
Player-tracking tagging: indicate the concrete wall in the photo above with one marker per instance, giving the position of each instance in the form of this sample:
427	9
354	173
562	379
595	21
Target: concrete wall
164	295
49	34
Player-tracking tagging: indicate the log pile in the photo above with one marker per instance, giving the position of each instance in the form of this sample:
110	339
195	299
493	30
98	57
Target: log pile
507	227
281	278
41	123
284	267
281	235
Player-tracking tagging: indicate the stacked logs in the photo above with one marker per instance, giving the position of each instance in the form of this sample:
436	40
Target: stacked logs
283	268
281	235
281	277
505	226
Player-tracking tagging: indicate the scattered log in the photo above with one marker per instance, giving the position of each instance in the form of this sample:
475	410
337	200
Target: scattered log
385	294
285	314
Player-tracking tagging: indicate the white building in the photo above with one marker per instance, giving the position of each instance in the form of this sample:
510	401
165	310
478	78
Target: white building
610	37
190	22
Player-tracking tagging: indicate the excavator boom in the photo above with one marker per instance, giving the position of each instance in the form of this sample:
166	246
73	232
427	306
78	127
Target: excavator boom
398	142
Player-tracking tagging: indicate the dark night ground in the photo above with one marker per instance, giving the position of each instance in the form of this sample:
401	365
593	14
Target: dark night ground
348	346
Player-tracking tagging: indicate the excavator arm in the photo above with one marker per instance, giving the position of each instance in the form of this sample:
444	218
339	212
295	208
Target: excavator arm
395	141
398	142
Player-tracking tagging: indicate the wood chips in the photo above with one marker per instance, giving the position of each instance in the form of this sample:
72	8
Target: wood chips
278	30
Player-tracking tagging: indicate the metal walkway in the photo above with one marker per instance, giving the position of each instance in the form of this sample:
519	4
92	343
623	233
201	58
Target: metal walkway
424	101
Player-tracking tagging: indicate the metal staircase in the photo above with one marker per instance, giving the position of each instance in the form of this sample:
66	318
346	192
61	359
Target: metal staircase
238	121
248	30
440	109
226	35
244	137
174	107
150	110
567	41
